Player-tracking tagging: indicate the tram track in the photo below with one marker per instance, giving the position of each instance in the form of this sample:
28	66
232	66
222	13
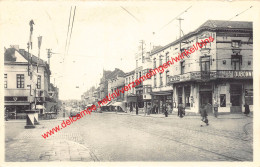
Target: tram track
228	157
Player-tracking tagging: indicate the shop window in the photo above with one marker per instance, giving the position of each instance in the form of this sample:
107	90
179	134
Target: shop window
180	95
222	100
20	80
5	81
187	96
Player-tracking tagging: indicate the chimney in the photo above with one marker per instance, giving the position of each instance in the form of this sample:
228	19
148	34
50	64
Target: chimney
15	46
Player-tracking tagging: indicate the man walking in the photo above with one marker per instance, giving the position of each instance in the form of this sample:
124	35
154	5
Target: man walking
204	114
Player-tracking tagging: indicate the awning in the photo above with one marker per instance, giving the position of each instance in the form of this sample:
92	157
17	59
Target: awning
120	104
161	93
107	104
17	104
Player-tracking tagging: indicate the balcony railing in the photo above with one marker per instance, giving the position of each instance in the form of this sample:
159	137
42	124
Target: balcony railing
211	75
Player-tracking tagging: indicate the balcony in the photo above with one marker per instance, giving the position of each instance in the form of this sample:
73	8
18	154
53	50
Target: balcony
211	75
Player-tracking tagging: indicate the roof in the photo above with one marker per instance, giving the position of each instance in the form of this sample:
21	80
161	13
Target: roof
212	25
9	55
227	24
130	73
115	73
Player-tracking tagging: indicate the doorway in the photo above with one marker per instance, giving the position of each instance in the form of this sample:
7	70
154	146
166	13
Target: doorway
236	98
205	98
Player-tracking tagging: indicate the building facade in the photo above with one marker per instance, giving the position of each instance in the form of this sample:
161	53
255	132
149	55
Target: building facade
220	73
26	89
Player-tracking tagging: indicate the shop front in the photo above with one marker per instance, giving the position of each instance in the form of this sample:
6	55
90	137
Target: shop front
159	99
205	94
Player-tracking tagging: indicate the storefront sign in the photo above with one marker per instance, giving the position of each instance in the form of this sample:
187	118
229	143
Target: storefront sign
243	74
175	78
185	77
225	74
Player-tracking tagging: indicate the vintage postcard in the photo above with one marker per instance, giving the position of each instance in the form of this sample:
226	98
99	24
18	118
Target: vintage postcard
130	82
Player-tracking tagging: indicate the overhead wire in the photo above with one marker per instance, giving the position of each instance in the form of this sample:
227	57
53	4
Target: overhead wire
71	29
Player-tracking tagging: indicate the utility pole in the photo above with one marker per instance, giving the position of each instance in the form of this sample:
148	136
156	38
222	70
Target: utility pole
142	47
39	47
49	55
29	44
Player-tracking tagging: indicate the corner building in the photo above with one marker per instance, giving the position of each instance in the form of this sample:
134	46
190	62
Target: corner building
219	73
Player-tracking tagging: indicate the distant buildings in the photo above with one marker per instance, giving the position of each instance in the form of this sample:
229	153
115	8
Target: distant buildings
23	93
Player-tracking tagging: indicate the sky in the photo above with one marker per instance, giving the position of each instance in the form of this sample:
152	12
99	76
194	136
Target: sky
104	36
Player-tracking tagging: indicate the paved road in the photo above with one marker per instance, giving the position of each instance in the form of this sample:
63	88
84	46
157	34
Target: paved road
123	137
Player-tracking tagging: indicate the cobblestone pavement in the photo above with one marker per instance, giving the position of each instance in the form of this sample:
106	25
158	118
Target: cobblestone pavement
28	144
124	137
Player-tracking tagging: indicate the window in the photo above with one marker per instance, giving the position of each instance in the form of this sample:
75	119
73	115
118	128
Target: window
205	64
161	79
236	44
5	81
167	77
20	80
183	67
222	100
155	81
167	58
160	60
236	61
39	82
154	63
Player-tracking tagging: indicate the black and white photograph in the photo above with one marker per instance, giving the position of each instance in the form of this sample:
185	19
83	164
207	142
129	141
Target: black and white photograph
129	81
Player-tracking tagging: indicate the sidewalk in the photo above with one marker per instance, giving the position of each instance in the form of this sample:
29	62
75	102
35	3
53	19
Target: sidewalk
188	115
26	145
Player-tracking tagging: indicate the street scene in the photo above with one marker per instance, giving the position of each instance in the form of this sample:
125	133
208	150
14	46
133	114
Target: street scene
111	82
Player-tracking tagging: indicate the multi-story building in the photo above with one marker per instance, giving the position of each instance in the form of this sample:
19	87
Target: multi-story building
26	89
220	73
130	95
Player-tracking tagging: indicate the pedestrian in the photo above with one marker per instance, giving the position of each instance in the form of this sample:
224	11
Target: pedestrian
131	108
180	110
145	110
149	108
204	114
136	109
216	109
164	109
169	108
247	110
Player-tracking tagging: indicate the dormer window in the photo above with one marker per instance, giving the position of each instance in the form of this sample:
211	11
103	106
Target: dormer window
236	43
